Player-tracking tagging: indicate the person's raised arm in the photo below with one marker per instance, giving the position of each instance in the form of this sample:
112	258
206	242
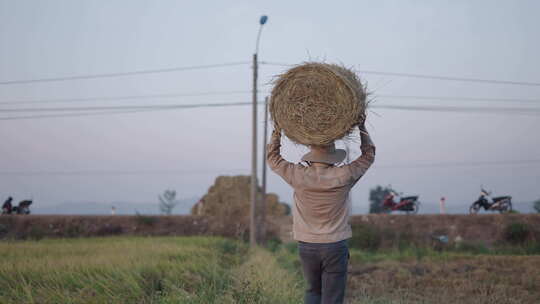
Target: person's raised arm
360	165
273	157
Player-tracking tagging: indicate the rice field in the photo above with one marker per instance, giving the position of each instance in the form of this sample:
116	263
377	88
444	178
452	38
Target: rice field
424	276
137	270
218	270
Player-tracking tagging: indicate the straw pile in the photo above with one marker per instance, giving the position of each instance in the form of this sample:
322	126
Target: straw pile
229	198
317	103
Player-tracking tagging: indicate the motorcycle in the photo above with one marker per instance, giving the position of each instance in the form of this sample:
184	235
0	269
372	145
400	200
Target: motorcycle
503	204
408	204
23	207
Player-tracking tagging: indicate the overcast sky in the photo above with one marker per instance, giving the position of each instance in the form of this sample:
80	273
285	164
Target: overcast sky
471	39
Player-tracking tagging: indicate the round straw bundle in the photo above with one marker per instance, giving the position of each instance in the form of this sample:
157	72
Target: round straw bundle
317	103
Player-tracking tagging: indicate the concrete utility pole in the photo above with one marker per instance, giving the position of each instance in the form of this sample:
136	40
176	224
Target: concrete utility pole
262	229
253	227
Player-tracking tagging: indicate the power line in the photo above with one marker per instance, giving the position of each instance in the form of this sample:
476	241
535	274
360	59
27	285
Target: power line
114	112
121	74
225	104
129	107
239	92
124	97
426	76
115	172
490	110
457	98
460	164
185	68
203	105
108	110
181	172
99	113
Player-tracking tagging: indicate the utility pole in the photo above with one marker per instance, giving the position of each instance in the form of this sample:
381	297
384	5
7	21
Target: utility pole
253	226
263	201
253	212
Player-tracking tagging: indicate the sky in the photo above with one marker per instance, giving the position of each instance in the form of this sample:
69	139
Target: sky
136	156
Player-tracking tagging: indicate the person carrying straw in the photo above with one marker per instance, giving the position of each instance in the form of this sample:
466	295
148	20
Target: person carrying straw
321	210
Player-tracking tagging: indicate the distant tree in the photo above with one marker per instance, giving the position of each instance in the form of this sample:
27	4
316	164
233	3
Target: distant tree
536	206
376	198
167	201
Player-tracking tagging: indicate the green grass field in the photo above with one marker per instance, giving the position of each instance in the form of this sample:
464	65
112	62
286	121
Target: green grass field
217	270
142	270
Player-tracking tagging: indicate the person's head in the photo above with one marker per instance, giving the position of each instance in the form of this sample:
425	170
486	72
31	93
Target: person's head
327	154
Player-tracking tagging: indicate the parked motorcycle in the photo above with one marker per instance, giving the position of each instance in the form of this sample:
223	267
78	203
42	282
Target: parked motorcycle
503	204
23	207
408	204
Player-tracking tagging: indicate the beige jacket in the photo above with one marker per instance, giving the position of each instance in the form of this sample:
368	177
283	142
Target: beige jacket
321	206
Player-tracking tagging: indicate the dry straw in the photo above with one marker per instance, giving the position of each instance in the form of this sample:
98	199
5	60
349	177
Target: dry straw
317	103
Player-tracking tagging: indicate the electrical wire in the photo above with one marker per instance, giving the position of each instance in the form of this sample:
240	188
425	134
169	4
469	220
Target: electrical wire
239	92
129	107
535	110
116	172
122	74
108	110
456	98
481	110
124	97
119	111
197	67
460	164
98	113
426	76
182	172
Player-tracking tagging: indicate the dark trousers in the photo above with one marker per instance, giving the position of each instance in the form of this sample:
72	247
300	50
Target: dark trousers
325	270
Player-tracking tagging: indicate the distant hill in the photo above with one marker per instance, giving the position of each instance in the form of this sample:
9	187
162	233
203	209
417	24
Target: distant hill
99	208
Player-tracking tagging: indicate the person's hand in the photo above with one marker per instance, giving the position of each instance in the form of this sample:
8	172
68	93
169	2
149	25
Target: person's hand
277	131
362	123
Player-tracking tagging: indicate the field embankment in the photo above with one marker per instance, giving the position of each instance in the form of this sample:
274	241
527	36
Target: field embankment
372	231
62	226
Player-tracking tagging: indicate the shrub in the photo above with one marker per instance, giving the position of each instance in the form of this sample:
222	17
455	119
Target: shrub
228	247
6	224
532	248
536	206
471	247
365	237
36	233
516	233
73	230
291	247
273	244
109	230
145	219
4	229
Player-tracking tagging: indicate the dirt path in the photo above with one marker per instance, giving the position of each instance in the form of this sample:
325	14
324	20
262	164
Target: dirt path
261	279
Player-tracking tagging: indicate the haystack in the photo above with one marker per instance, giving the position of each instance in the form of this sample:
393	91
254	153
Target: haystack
229	198
317	103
